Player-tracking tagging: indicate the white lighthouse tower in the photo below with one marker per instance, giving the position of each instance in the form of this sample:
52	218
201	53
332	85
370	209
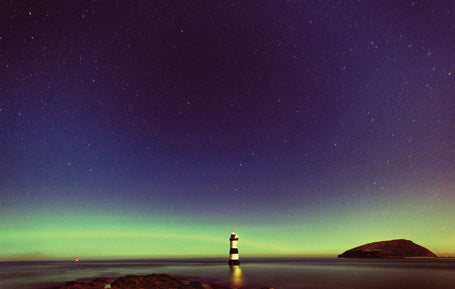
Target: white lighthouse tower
234	251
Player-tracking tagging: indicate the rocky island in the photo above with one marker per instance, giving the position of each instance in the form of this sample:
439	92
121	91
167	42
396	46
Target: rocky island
389	249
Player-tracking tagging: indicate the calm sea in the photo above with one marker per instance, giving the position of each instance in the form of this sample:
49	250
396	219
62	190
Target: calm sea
285	273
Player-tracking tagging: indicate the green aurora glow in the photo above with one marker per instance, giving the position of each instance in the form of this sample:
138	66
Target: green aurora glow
94	235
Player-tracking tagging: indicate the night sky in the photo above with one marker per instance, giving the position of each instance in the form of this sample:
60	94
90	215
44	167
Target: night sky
155	128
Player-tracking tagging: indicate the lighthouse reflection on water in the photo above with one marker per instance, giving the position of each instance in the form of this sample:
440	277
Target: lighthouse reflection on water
236	278
234	262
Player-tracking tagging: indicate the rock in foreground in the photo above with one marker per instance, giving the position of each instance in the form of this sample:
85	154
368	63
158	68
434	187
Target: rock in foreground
389	249
158	281
153	281
94	284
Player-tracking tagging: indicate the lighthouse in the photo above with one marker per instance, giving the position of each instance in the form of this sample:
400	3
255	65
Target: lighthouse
234	251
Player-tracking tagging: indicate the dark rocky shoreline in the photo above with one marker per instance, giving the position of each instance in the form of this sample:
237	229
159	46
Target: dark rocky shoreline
158	281
153	281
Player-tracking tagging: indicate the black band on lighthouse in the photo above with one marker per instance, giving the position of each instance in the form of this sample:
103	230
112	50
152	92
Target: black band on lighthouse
234	251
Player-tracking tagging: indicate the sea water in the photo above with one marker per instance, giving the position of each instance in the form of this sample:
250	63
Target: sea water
285	273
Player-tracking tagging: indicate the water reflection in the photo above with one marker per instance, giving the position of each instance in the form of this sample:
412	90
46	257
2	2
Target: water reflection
236	276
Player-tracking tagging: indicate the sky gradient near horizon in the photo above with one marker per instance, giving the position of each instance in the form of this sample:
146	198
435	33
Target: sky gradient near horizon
157	128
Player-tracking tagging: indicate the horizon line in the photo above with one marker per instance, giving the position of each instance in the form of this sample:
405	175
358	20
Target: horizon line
160	257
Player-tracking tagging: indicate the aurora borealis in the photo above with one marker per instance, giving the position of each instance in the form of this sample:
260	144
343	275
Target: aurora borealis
155	128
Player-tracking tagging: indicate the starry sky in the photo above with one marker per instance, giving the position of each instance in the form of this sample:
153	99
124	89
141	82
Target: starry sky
155	128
